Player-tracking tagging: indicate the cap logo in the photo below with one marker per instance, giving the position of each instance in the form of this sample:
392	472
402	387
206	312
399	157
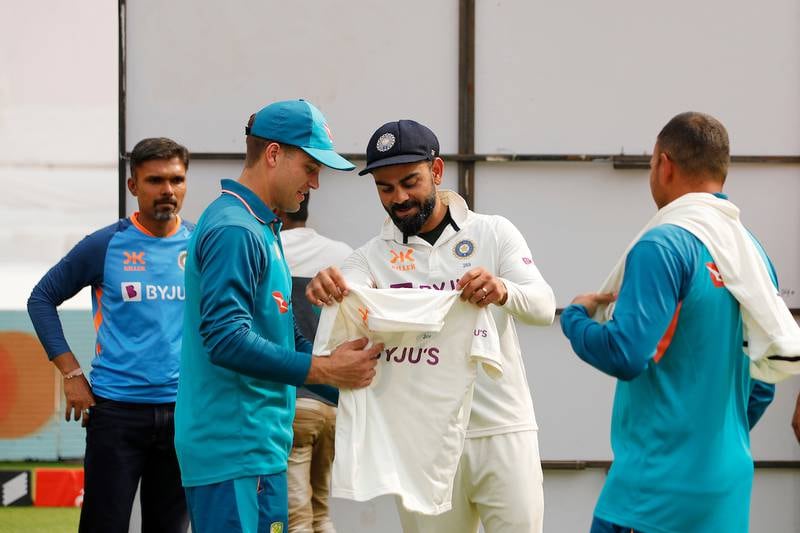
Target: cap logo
385	142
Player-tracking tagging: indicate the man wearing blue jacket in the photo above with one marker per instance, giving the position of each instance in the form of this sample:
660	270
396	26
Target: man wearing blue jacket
242	353
135	270
684	401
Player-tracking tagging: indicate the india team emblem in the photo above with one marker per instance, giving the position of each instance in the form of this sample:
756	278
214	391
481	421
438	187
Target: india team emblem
385	142
276	527
464	249
182	260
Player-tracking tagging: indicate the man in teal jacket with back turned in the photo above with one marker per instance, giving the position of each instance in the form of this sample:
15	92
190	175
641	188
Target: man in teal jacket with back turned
242	353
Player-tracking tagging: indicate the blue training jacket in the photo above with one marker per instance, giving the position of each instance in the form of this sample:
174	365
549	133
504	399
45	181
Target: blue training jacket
242	353
684	401
137	304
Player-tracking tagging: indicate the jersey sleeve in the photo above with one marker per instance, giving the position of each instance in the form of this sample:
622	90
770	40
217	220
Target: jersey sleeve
356	269
227	303
530	298
647	301
81	267
486	344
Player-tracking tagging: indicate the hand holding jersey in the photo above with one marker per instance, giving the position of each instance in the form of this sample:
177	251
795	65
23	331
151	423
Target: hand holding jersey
350	366
478	286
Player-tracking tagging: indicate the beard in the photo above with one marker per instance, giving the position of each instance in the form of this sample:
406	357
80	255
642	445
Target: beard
162	213
411	224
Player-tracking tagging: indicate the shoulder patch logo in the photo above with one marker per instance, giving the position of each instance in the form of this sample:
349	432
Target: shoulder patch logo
276	527
283	305
716	277
464	248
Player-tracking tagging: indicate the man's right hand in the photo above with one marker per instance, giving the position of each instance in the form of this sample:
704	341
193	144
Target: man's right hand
77	390
79	398
328	285
350	366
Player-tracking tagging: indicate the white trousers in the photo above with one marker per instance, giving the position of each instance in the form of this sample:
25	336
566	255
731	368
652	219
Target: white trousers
498	483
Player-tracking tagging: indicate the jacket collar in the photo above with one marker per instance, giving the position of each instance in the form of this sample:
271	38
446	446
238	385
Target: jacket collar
251	202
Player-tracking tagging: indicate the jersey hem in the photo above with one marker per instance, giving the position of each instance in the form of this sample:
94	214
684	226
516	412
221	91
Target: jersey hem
210	480
635	524
363	496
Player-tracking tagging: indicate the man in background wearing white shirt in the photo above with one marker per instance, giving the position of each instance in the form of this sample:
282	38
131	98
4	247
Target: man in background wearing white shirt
431	240
309	475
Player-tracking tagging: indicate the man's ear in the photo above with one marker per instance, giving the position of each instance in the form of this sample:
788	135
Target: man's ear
270	154
666	168
437	168
132	186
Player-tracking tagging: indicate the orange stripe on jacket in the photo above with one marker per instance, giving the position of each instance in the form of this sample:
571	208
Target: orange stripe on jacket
665	341
98	316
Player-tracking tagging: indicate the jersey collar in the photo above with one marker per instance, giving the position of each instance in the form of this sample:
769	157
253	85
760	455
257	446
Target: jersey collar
250	201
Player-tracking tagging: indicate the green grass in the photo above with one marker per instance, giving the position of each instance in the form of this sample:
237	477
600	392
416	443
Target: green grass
39	519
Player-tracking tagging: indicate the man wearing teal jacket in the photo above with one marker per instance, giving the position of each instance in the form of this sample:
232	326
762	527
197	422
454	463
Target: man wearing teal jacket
242	354
684	402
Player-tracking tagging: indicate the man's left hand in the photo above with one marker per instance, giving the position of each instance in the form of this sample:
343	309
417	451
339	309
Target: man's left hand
592	300
482	288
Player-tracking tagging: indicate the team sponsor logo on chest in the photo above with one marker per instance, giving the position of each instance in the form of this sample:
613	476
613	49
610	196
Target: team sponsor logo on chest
133	262
402	260
411	354
449	285
135	291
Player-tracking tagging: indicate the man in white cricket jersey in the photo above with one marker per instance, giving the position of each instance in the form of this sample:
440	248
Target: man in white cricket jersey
431	240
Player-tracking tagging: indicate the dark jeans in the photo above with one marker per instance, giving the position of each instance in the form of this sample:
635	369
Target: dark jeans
126	442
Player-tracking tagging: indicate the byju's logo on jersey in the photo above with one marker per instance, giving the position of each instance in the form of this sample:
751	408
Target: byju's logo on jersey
182	260
464	249
134	262
131	291
716	277
283	305
403	260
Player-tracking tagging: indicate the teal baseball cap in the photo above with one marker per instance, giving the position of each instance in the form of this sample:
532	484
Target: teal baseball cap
299	123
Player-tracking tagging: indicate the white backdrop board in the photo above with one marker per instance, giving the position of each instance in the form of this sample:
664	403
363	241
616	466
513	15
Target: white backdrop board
578	76
197	70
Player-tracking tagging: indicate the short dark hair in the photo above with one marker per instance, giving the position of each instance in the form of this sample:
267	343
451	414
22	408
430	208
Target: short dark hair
697	143
257	145
157	148
301	215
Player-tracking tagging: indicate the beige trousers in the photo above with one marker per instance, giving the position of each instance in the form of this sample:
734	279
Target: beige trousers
309	474
498	483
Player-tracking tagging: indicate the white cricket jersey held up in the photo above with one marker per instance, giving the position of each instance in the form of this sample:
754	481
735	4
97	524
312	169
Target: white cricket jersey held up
391	260
405	432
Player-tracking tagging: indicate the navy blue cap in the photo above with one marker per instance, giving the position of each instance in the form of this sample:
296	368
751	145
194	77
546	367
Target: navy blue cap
300	124
396	143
